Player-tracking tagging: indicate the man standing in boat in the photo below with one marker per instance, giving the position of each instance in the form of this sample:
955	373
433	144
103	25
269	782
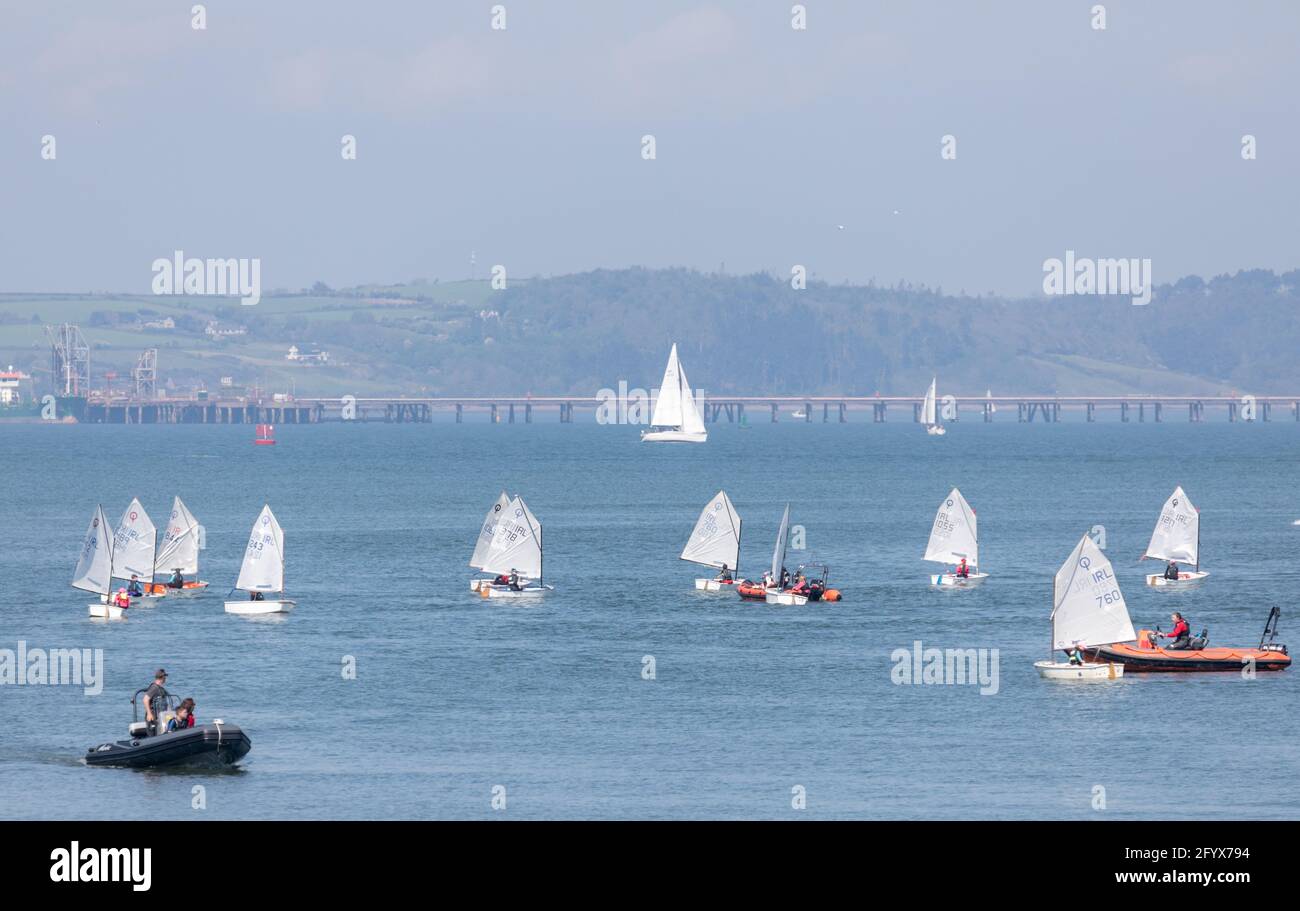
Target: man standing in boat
157	692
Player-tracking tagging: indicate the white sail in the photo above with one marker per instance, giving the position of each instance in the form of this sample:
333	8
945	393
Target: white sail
716	538
517	543
488	531
953	535
1177	532
95	568
668	405
180	544
263	566
928	411
1088	608
133	544
778	555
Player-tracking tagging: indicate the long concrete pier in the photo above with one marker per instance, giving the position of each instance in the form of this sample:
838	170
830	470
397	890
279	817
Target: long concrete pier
511	409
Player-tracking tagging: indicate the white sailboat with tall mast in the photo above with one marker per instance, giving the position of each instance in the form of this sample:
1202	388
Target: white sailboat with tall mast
1088	610
484	542
675	419
930	412
516	552
953	537
262	572
133	546
94	571
179	552
716	542
1177	538
776	594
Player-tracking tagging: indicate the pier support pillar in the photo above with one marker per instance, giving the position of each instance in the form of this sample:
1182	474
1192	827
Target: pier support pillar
773	412
1232	412
844	413
1123	412
512	413
496	418
528	413
877	412
1157	408
1092	412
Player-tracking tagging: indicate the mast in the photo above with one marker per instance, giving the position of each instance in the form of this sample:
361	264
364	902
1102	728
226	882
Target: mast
1198	541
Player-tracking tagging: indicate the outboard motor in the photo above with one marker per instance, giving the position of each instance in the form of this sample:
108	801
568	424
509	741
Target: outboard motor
1267	642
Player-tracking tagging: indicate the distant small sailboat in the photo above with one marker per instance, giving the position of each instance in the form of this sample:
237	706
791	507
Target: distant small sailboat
94	571
179	552
675	419
262	572
930	414
716	542
516	553
988	395
1087	611
133	546
1177	537
799	414
774	592
953	537
484	543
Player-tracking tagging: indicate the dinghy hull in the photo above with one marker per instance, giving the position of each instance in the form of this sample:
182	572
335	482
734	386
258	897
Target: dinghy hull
508	593
1185	580
107	611
204	745
673	436
713	585
256	608
157	589
786	598
1160	660
936	431
952	580
1084	673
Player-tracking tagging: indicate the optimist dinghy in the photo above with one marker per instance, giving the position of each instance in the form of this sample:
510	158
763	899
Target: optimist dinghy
774	594
179	551
133	545
675	419
262	572
516	553
1177	538
95	566
953	538
716	542
204	745
1087	610
484	543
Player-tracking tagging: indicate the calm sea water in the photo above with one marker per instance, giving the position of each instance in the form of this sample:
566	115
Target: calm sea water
455	696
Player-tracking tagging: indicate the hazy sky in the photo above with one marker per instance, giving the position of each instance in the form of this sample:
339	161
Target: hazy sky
524	145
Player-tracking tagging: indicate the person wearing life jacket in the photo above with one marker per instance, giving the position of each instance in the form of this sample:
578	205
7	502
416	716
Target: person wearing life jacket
724	576
785	578
963	571
122	599
1076	655
155	699
184	717
502	579
1181	633
134	589
177	580
514	582
800	586
1171	571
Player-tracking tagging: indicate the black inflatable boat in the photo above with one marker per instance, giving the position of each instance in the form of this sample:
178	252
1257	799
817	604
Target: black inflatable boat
217	743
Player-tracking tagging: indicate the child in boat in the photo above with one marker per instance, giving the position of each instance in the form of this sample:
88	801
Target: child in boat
963	571
724	576
800	586
177	580
1076	655
1171	571
184	717
122	599
514	582
134	589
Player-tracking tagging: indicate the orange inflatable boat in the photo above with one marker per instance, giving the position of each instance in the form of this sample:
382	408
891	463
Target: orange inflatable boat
1145	655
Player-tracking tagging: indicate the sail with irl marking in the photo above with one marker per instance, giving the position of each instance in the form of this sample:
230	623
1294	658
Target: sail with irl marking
716	538
1087	607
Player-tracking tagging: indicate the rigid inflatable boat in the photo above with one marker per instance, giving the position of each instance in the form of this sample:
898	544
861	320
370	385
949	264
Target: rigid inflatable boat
752	591
1145	655
216	743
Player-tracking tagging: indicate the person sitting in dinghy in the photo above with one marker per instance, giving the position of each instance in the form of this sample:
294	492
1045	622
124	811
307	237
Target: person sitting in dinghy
963	571
177	580
724	576
1171	571
122	599
514	582
800	586
1181	633
502	579
184	717
135	589
256	596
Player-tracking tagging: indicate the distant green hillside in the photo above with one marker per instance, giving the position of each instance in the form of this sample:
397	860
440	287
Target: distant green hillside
737	334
